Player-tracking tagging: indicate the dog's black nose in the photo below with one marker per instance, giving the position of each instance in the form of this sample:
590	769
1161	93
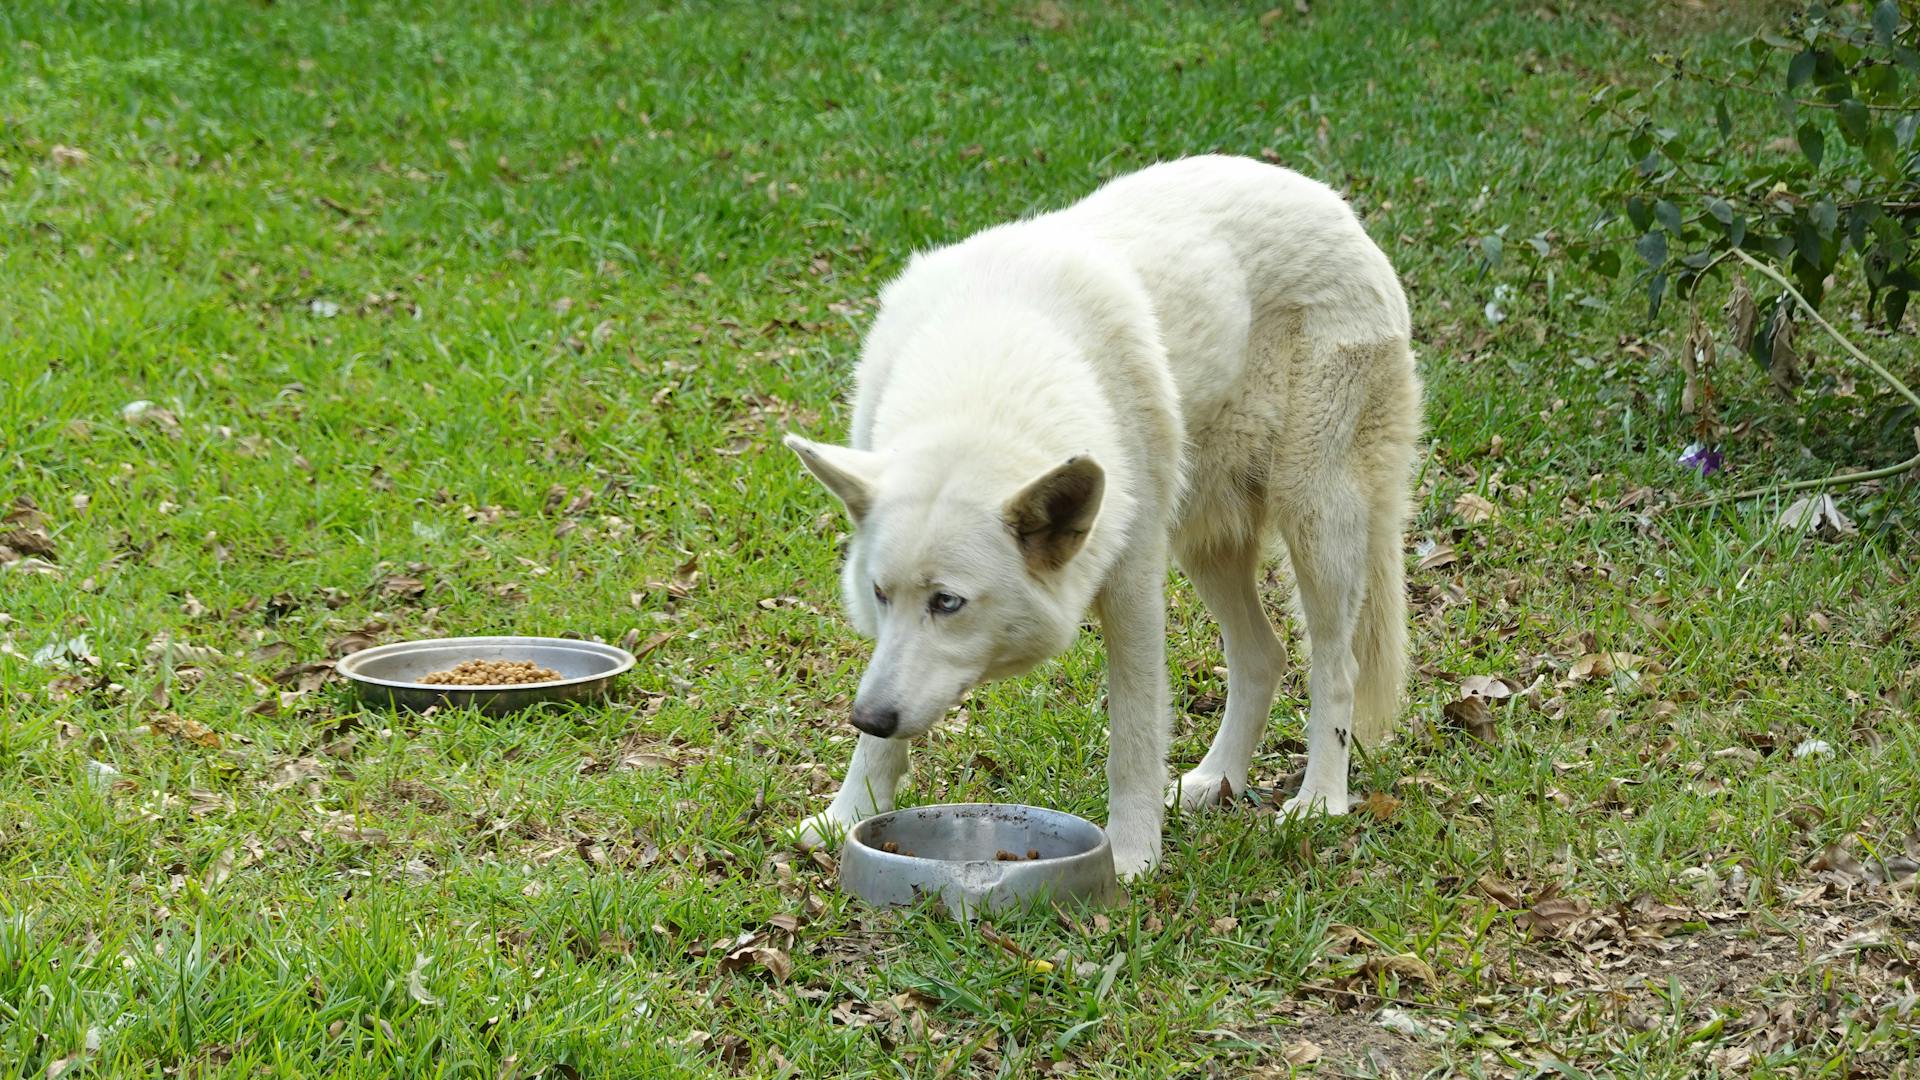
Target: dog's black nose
880	723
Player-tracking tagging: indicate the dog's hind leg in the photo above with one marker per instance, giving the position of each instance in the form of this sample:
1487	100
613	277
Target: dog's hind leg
872	780
1228	582
1328	545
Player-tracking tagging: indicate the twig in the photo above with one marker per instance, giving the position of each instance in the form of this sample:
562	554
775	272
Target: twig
1903	388
1806	485
1724	83
1831	481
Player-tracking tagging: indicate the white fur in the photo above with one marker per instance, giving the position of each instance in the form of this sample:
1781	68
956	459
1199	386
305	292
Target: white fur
1226	344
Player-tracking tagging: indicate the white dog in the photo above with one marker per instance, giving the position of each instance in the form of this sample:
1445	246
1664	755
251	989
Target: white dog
1191	360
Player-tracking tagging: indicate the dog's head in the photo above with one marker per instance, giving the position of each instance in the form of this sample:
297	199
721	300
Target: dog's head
958	577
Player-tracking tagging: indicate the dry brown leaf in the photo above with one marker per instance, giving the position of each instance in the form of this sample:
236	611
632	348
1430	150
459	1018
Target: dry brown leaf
1498	891
1742	315
1404	966
1783	360
1473	508
1555	917
1303	1052
192	731
168	652
1600	665
1379	805
67	157
1441	554
305	678
1473	716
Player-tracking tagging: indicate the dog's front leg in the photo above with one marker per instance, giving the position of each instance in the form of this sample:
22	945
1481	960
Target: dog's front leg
872	780
1133	618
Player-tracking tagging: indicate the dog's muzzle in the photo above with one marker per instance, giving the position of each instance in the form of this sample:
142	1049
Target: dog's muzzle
880	723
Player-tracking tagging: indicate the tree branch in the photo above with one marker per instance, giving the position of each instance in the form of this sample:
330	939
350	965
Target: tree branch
1841	480
1873	365
1860	477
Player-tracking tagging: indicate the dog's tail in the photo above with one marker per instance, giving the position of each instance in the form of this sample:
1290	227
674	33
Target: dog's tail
1380	640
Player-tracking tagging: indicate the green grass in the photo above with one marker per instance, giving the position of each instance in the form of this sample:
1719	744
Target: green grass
395	275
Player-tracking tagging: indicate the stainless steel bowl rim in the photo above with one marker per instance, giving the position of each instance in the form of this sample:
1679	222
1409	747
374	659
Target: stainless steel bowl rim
955	810
348	665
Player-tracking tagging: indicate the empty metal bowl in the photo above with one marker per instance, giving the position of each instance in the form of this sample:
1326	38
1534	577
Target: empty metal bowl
389	675
952	851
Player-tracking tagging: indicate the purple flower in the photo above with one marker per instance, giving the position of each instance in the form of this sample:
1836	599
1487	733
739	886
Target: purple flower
1699	456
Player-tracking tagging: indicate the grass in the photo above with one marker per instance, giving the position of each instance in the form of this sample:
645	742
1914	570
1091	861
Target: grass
391	279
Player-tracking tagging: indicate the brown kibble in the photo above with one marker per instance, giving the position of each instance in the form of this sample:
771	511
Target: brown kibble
491	673
1005	856
890	848
1033	853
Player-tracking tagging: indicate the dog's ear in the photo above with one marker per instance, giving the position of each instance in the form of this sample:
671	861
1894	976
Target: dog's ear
1052	515
846	472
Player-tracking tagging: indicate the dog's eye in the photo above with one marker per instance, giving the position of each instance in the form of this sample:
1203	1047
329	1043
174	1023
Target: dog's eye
878	595
945	603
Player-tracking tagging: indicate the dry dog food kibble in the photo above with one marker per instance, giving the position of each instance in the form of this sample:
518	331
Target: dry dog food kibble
1008	856
491	673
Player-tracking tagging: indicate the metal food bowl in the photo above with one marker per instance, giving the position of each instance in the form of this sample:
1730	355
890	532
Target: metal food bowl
950	850
389	675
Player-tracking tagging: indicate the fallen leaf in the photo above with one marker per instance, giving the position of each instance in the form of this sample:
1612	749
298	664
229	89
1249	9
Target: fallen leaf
167	652
1303	1052
305	678
1600	665
1817	515
1399	965
1498	891
1402	1022
18	543
192	731
67	157
1379	805
417	985
1555	917
1436	554
1493	687
1473	509
1473	716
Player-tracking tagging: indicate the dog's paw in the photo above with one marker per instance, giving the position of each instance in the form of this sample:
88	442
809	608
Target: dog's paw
1133	861
1310	803
1204	789
822	830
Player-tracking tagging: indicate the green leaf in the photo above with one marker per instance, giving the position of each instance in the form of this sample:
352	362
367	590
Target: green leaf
1886	21
1638	213
1668	215
1491	248
1653	248
1812	143
1721	118
1721	210
1656	288
1737	232
1854	119
1808	242
1605	262
1904	130
1800	68
1894	307
1881	153
1826	218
